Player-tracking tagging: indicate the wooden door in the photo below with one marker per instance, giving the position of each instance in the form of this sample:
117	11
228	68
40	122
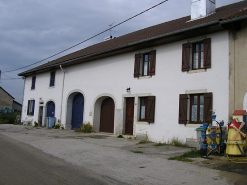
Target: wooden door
107	115
50	109
129	116
77	111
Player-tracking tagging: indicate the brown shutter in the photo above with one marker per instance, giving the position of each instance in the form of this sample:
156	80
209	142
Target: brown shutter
137	65
207	53
186	57
208	102
152	62
150	109
183	103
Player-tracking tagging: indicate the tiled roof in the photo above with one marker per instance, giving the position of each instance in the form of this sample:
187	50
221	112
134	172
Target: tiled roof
223	13
239	112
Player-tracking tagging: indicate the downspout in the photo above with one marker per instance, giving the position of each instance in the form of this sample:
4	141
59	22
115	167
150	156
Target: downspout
61	107
23	107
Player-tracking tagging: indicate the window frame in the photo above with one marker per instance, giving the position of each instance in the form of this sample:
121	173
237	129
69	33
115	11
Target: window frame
52	78
193	51
30	107
191	98
140	108
148	64
33	83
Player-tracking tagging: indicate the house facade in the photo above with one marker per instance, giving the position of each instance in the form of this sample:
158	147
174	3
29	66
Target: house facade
160	82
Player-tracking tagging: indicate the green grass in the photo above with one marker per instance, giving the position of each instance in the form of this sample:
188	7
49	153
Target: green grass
143	142
185	156
174	142
141	167
85	128
137	152
160	144
120	136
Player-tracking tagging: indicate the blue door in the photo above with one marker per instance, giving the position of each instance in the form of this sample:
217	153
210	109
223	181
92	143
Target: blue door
50	109
77	111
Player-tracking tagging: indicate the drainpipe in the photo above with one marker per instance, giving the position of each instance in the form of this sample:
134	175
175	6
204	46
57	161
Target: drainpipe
61	107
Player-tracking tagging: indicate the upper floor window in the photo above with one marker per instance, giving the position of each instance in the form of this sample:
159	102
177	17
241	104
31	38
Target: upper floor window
33	82
145	64
52	79
196	55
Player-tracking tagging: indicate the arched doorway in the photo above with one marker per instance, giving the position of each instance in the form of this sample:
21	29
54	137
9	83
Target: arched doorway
77	111
107	115
50	109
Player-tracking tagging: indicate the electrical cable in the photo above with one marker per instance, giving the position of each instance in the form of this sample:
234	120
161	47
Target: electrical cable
88	38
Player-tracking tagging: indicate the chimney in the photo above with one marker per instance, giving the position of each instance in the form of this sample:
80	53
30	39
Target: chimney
202	8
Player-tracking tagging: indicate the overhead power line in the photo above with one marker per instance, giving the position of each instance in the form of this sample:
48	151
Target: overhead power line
87	39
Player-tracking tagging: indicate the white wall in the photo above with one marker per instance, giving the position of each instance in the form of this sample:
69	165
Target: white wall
113	75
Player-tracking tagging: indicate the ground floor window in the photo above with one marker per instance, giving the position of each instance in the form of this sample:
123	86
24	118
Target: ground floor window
195	108
30	107
147	109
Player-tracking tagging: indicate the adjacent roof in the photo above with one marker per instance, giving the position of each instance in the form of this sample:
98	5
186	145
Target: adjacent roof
239	112
6	92
222	15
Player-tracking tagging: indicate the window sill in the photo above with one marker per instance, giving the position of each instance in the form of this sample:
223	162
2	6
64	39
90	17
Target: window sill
197	71
142	123
51	87
32	89
144	77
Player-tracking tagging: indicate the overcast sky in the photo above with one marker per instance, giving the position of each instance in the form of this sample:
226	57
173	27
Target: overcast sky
31	30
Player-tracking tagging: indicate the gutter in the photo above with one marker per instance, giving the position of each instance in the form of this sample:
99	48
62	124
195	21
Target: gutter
128	45
233	19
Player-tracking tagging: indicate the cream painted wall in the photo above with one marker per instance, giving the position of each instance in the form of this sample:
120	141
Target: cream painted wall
238	69
111	76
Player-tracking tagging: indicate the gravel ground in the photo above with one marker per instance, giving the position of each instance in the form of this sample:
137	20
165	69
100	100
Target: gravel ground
113	157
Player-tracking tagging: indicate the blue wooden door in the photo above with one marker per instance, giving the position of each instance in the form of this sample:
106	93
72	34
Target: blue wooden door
77	111
50	109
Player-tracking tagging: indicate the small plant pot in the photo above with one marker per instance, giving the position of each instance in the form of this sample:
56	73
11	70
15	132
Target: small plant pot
203	135
213	134
204	146
213	146
205	125
221	124
213	117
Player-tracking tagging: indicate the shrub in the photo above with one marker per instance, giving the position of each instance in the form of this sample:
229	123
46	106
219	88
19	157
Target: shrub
8	118
56	126
85	128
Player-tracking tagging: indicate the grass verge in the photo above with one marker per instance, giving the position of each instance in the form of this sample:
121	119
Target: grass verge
186	156
137	152
174	142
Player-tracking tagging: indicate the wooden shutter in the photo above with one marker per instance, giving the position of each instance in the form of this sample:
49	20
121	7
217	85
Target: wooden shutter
150	110
33	107
183	105
137	65
152	62
208	102
207	53
186	57
28	104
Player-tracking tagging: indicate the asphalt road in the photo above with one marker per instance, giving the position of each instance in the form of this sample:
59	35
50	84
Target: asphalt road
24	164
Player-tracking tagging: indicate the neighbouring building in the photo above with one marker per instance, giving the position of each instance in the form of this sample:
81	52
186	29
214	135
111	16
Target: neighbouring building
8	102
159	82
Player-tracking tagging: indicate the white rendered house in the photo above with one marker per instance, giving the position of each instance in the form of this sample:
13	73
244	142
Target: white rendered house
160	82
